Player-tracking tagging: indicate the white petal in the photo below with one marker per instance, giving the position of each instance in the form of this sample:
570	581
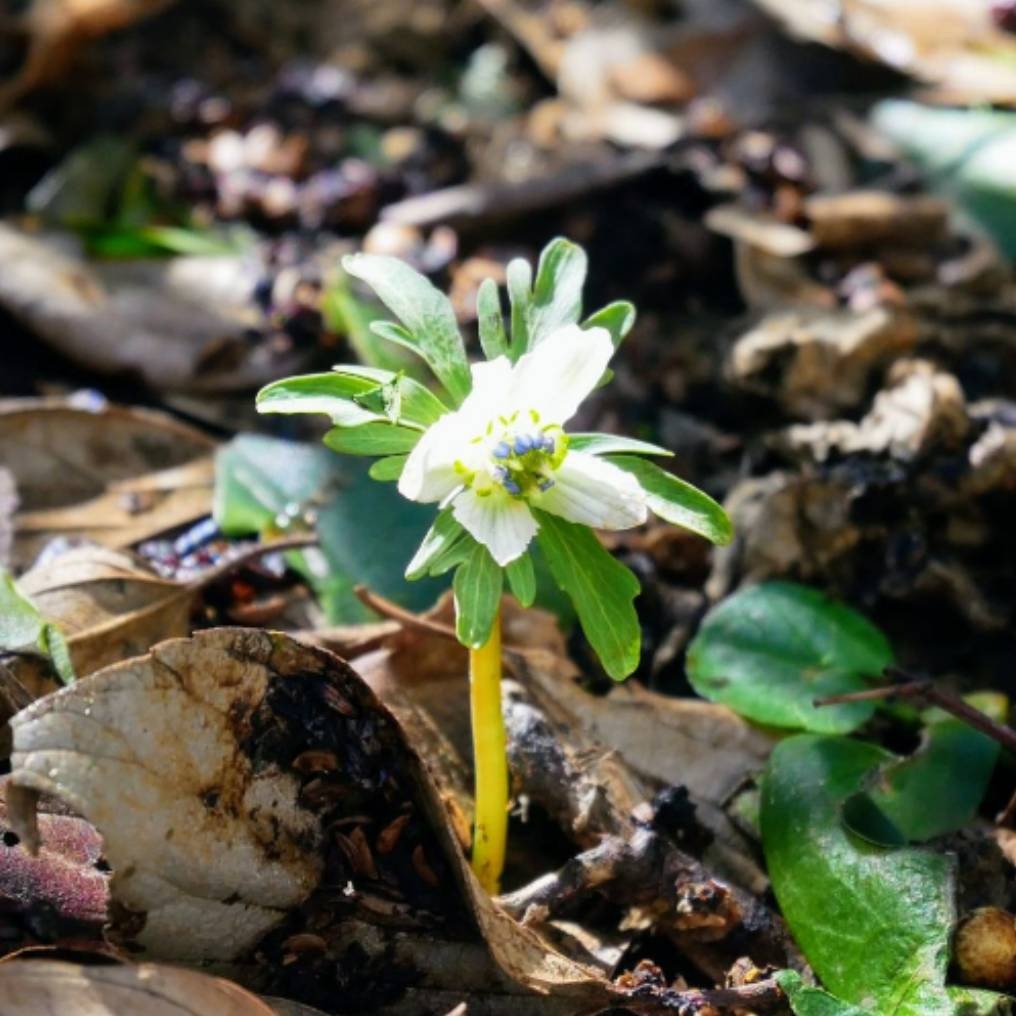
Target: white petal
491	387
429	473
594	492
555	377
503	524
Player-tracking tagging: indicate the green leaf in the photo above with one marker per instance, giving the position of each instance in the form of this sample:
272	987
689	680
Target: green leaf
951	767
979	1002
601	588
378	438
873	923
769	650
605	444
387	470
419	404
806	1000
519	276
367	531
22	628
442	536
424	311
557	292
618	318
493	339
330	394
522	580
968	153
678	502
477	587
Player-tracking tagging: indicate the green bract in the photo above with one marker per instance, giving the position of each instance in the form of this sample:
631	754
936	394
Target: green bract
492	451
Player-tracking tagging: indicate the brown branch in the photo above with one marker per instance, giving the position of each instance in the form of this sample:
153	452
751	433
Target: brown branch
248	554
923	689
760	996
386	608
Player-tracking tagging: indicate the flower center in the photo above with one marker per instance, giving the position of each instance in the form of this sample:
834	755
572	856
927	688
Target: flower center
516	455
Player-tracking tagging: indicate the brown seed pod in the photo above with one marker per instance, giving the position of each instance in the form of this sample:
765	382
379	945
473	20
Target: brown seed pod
985	948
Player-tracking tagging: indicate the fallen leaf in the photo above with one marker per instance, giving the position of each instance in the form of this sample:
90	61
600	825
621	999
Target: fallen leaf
8	505
31	987
199	764
110	474
108	604
180	323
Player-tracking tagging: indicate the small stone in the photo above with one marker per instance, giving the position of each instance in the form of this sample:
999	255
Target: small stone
985	948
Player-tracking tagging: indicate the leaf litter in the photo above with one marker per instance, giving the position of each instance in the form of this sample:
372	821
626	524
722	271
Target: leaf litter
823	339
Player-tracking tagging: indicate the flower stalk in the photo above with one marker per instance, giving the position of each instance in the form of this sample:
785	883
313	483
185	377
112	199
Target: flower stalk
490	761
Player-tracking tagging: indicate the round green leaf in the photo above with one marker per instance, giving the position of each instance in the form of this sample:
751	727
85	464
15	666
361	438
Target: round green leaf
770	650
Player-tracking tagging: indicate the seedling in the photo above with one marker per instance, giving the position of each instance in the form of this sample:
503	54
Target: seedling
492	452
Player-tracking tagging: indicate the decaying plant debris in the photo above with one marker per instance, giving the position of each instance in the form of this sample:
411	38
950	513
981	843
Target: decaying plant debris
277	817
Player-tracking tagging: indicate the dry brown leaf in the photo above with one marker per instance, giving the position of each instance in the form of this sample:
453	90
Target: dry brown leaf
178	323
951	44
51	988
110	474
190	762
8	504
109	606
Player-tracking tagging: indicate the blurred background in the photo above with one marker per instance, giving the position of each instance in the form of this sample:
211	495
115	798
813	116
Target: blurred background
812	204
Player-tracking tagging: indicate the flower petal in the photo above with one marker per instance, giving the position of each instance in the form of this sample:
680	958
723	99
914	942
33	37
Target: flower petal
595	493
503	524
560	372
429	473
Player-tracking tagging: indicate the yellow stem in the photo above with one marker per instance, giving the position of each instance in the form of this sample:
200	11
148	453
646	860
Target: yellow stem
489	760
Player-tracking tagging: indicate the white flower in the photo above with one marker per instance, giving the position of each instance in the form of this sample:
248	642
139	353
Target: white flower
505	449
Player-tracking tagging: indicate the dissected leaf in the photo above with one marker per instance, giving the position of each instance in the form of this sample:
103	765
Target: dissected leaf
31	987
932	792
605	444
557	290
477	586
768	651
444	536
618	318
493	340
368	533
425	312
519	277
601	588
874	923
677	501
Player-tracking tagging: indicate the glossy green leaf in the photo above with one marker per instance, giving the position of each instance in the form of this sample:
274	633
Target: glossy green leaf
768	651
522	580
557	291
330	394
806	1000
23	628
388	469
477	587
951	768
419	404
601	588
678	502
368	531
874	923
442	536
618	318
607	444
378	438
490	324
424	311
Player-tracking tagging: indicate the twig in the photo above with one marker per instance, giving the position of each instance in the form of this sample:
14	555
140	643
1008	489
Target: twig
386	608
760	996
926	690
248	554
476	203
